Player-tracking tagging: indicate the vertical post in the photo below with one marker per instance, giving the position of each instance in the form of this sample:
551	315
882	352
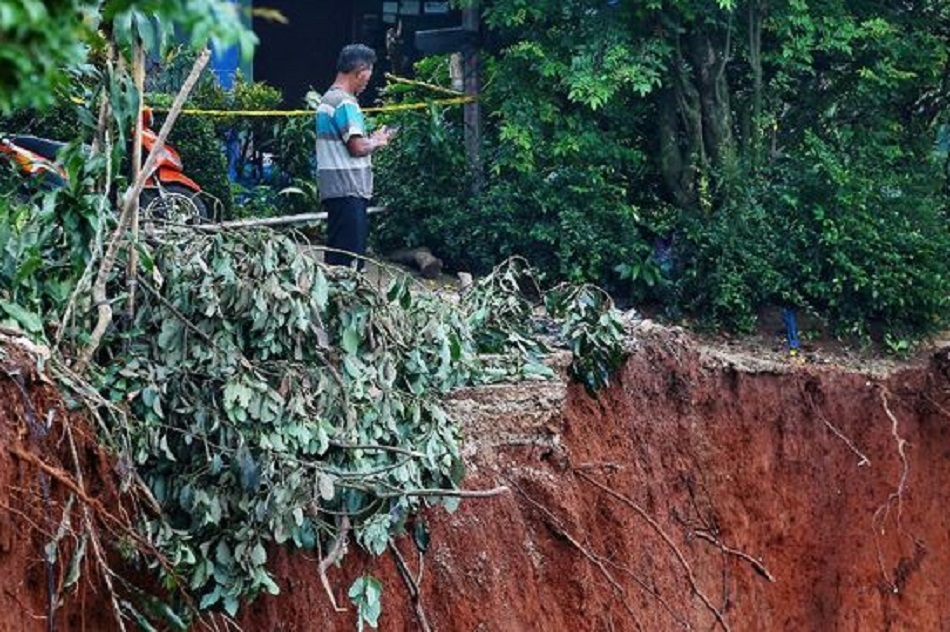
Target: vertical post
471	68
138	75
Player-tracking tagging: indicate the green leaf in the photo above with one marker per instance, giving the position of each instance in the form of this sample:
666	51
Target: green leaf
321	289
326	486
366	595
30	321
351	340
258	554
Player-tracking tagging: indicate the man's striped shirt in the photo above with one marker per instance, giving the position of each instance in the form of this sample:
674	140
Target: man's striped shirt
339	174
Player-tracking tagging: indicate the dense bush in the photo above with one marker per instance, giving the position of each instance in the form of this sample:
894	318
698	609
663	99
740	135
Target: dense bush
562	202
680	157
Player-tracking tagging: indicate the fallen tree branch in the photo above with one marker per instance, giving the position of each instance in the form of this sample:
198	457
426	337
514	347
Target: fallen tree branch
669	542
756	564
454	493
301	218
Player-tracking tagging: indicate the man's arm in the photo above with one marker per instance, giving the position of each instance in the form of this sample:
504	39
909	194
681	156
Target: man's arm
360	146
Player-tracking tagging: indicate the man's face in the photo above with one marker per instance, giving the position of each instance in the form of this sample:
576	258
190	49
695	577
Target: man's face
362	78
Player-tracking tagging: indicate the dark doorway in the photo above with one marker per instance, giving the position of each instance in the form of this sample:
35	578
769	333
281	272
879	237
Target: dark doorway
301	54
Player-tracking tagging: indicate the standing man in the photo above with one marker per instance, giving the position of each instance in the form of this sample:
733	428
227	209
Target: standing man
344	166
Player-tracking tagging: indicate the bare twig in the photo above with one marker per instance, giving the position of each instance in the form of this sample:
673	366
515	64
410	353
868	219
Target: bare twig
756	564
334	555
669	542
412	585
138	75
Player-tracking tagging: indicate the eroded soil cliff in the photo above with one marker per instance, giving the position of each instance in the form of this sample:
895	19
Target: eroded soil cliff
702	490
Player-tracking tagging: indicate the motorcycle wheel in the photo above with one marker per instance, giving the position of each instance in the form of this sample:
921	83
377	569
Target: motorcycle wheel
174	203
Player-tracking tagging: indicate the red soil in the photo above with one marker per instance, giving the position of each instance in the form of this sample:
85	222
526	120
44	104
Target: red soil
700	491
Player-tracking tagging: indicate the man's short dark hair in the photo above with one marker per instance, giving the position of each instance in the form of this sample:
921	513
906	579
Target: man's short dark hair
355	57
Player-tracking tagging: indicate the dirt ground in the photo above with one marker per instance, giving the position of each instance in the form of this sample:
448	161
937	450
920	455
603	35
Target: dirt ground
712	486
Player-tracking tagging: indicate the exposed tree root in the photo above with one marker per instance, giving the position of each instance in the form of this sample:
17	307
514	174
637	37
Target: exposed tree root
880	517
756	564
863	460
93	534
412	584
554	523
650	591
669	542
940	408
897	496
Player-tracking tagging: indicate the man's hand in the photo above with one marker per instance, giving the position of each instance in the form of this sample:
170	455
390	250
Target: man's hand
383	135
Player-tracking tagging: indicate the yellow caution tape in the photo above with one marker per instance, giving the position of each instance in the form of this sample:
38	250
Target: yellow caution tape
398	107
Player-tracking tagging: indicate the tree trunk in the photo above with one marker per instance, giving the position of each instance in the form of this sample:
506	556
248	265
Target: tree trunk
698	152
710	54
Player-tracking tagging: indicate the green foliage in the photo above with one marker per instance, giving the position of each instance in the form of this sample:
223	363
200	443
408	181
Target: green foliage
592	329
366	594
219	22
743	118
271	397
557	193
61	121
202	155
46	242
40	38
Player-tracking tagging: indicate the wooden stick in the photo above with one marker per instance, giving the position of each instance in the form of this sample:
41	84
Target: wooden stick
301	218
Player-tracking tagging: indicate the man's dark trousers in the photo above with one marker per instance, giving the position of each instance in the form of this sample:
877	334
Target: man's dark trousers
347	229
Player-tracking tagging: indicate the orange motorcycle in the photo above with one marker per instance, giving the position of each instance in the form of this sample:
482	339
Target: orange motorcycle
169	194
